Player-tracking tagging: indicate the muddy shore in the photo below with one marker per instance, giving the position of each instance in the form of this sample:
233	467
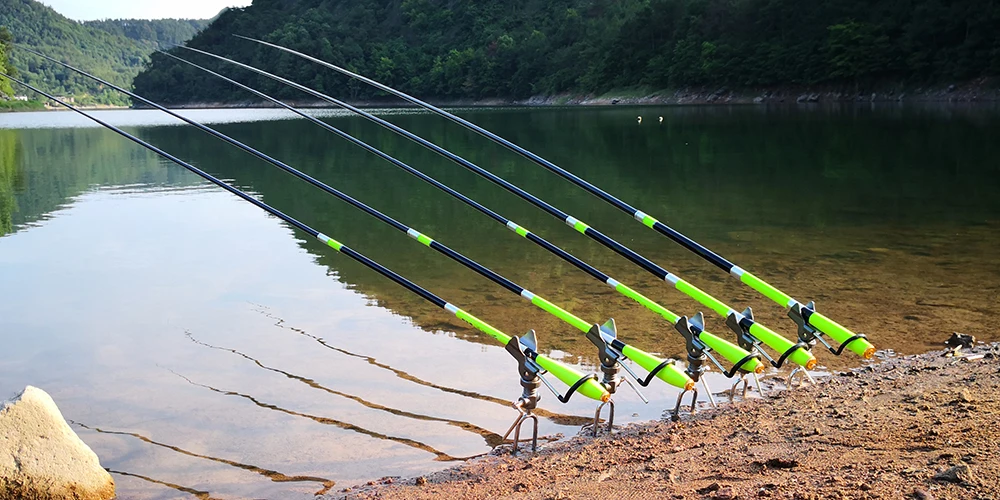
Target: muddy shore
922	427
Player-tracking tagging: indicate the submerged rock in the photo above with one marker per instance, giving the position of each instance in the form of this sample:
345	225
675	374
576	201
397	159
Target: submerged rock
42	458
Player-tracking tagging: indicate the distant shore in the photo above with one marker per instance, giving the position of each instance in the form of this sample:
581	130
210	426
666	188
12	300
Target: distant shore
982	91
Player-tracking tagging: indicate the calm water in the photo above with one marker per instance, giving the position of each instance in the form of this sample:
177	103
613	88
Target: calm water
204	348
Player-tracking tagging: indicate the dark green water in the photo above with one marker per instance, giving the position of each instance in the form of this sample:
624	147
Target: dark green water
888	217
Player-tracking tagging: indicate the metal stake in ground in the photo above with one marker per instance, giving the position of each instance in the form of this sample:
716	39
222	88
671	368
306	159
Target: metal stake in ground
811	323
577	382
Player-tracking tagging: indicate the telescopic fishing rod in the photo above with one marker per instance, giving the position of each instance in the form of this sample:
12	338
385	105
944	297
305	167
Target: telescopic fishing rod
531	364
750	334
663	369
811	324
699	343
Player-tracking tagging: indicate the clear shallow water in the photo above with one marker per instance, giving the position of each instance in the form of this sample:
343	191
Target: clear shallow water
201	345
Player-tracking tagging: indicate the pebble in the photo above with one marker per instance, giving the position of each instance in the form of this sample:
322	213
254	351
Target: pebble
957	474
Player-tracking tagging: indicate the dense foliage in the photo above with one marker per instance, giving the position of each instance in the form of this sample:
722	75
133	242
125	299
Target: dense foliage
110	55
507	48
6	45
159	33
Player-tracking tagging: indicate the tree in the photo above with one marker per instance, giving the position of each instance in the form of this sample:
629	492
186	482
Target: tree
6	43
856	51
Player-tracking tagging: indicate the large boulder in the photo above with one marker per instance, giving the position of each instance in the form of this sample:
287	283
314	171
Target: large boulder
41	458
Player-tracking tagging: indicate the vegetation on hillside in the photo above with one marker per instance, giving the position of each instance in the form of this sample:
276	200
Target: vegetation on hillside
157	34
506	48
103	48
6	41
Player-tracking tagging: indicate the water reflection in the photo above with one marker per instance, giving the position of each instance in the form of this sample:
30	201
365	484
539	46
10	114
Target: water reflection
492	439
270	474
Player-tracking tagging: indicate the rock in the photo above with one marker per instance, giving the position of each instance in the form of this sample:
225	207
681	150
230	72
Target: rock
960	340
420	481
965	396
724	494
802	98
813	98
951	88
42	458
709	489
957	474
758	100
919	494
780	463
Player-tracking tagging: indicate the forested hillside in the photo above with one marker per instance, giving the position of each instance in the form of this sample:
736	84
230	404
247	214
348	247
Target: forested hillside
116	55
159	33
519	48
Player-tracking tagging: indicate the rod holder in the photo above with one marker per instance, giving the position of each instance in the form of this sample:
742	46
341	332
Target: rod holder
809	334
746	384
524	408
691	330
802	373
676	414
740	323
611	358
530	382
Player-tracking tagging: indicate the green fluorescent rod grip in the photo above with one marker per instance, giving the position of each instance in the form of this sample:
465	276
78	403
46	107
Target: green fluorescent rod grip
730	351
483	326
765	288
705	299
669	374
800	357
861	347
569	376
561	313
648	304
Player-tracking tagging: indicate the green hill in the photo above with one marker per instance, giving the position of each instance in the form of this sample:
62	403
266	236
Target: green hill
114	50
520	48
158	33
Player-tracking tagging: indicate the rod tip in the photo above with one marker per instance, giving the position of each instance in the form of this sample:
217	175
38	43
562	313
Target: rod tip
811	364
689	386
605	397
869	353
759	369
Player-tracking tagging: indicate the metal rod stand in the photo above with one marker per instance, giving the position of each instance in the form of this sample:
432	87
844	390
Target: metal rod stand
611	416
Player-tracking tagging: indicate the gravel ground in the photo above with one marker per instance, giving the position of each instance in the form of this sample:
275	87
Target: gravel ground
920	427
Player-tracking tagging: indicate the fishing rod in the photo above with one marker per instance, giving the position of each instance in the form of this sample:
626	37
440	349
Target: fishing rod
699	343
532	366
607	333
750	334
811	324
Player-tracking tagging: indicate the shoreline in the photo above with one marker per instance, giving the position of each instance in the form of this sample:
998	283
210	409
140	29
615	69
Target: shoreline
983	92
920	426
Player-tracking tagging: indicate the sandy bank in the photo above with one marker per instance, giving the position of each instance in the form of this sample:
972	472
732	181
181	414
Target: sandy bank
918	427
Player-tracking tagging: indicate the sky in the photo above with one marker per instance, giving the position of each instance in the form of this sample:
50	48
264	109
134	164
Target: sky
86	10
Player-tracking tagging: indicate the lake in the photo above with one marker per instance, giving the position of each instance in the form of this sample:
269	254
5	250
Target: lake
203	348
